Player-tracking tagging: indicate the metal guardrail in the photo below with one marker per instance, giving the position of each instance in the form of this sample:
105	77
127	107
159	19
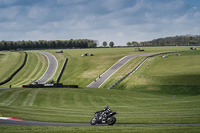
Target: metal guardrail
62	70
58	85
116	83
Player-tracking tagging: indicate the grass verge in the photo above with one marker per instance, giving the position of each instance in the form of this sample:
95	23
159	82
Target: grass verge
9	63
177	74
100	129
35	67
79	105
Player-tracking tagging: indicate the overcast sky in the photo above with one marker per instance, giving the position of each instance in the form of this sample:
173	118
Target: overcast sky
119	21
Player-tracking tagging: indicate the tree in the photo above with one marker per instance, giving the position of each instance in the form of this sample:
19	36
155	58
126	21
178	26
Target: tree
111	44
128	44
92	44
134	43
104	44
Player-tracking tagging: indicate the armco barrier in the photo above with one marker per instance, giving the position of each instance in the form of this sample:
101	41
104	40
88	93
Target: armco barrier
139	66
62	70
58	85
9	78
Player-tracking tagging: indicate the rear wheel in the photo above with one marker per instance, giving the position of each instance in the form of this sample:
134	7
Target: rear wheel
93	121
111	120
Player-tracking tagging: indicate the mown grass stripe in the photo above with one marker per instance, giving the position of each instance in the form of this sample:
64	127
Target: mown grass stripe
20	98
29	100
34	68
42	67
5	95
30	74
9	62
34	71
11	98
22	73
47	112
5	91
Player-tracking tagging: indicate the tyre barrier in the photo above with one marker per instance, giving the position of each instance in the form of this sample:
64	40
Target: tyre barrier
58	85
9	78
112	86
62	70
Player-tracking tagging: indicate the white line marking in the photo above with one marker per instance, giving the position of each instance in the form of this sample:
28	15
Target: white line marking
48	65
107	70
5	118
115	71
119	67
139	66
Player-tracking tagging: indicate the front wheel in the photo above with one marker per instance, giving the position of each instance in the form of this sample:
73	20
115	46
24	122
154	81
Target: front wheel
93	121
111	120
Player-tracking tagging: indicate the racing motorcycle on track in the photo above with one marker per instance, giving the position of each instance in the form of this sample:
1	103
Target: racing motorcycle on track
105	116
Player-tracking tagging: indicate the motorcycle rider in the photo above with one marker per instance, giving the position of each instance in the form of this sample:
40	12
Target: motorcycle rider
104	116
105	111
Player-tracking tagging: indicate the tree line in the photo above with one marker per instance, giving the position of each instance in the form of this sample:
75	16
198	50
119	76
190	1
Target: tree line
111	44
79	43
170	41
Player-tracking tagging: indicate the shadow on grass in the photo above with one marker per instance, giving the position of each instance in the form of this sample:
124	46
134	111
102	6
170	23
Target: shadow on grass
165	89
181	89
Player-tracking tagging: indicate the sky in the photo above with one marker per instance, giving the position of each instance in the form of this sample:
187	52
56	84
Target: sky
119	21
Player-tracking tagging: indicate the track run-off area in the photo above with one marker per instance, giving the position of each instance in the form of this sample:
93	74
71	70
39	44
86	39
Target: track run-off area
35	123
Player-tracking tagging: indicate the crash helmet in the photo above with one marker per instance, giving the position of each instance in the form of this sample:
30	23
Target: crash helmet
106	107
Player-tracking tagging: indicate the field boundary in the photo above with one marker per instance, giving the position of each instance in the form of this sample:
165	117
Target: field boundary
10	78
138	66
62	70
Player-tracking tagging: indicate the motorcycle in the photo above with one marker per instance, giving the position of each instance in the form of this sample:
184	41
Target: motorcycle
103	118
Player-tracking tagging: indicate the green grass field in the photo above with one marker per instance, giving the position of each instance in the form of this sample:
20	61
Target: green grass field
144	97
83	70
9	63
35	67
78	105
100	129
175	74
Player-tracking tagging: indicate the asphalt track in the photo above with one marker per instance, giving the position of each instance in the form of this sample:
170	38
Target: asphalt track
52	67
35	123
106	75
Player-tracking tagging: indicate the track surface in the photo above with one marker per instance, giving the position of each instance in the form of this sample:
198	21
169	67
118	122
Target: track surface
35	123
106	75
52	67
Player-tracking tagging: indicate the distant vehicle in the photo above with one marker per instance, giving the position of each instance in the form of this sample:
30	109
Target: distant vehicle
34	83
104	117
192	48
86	54
60	51
165	56
138	49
